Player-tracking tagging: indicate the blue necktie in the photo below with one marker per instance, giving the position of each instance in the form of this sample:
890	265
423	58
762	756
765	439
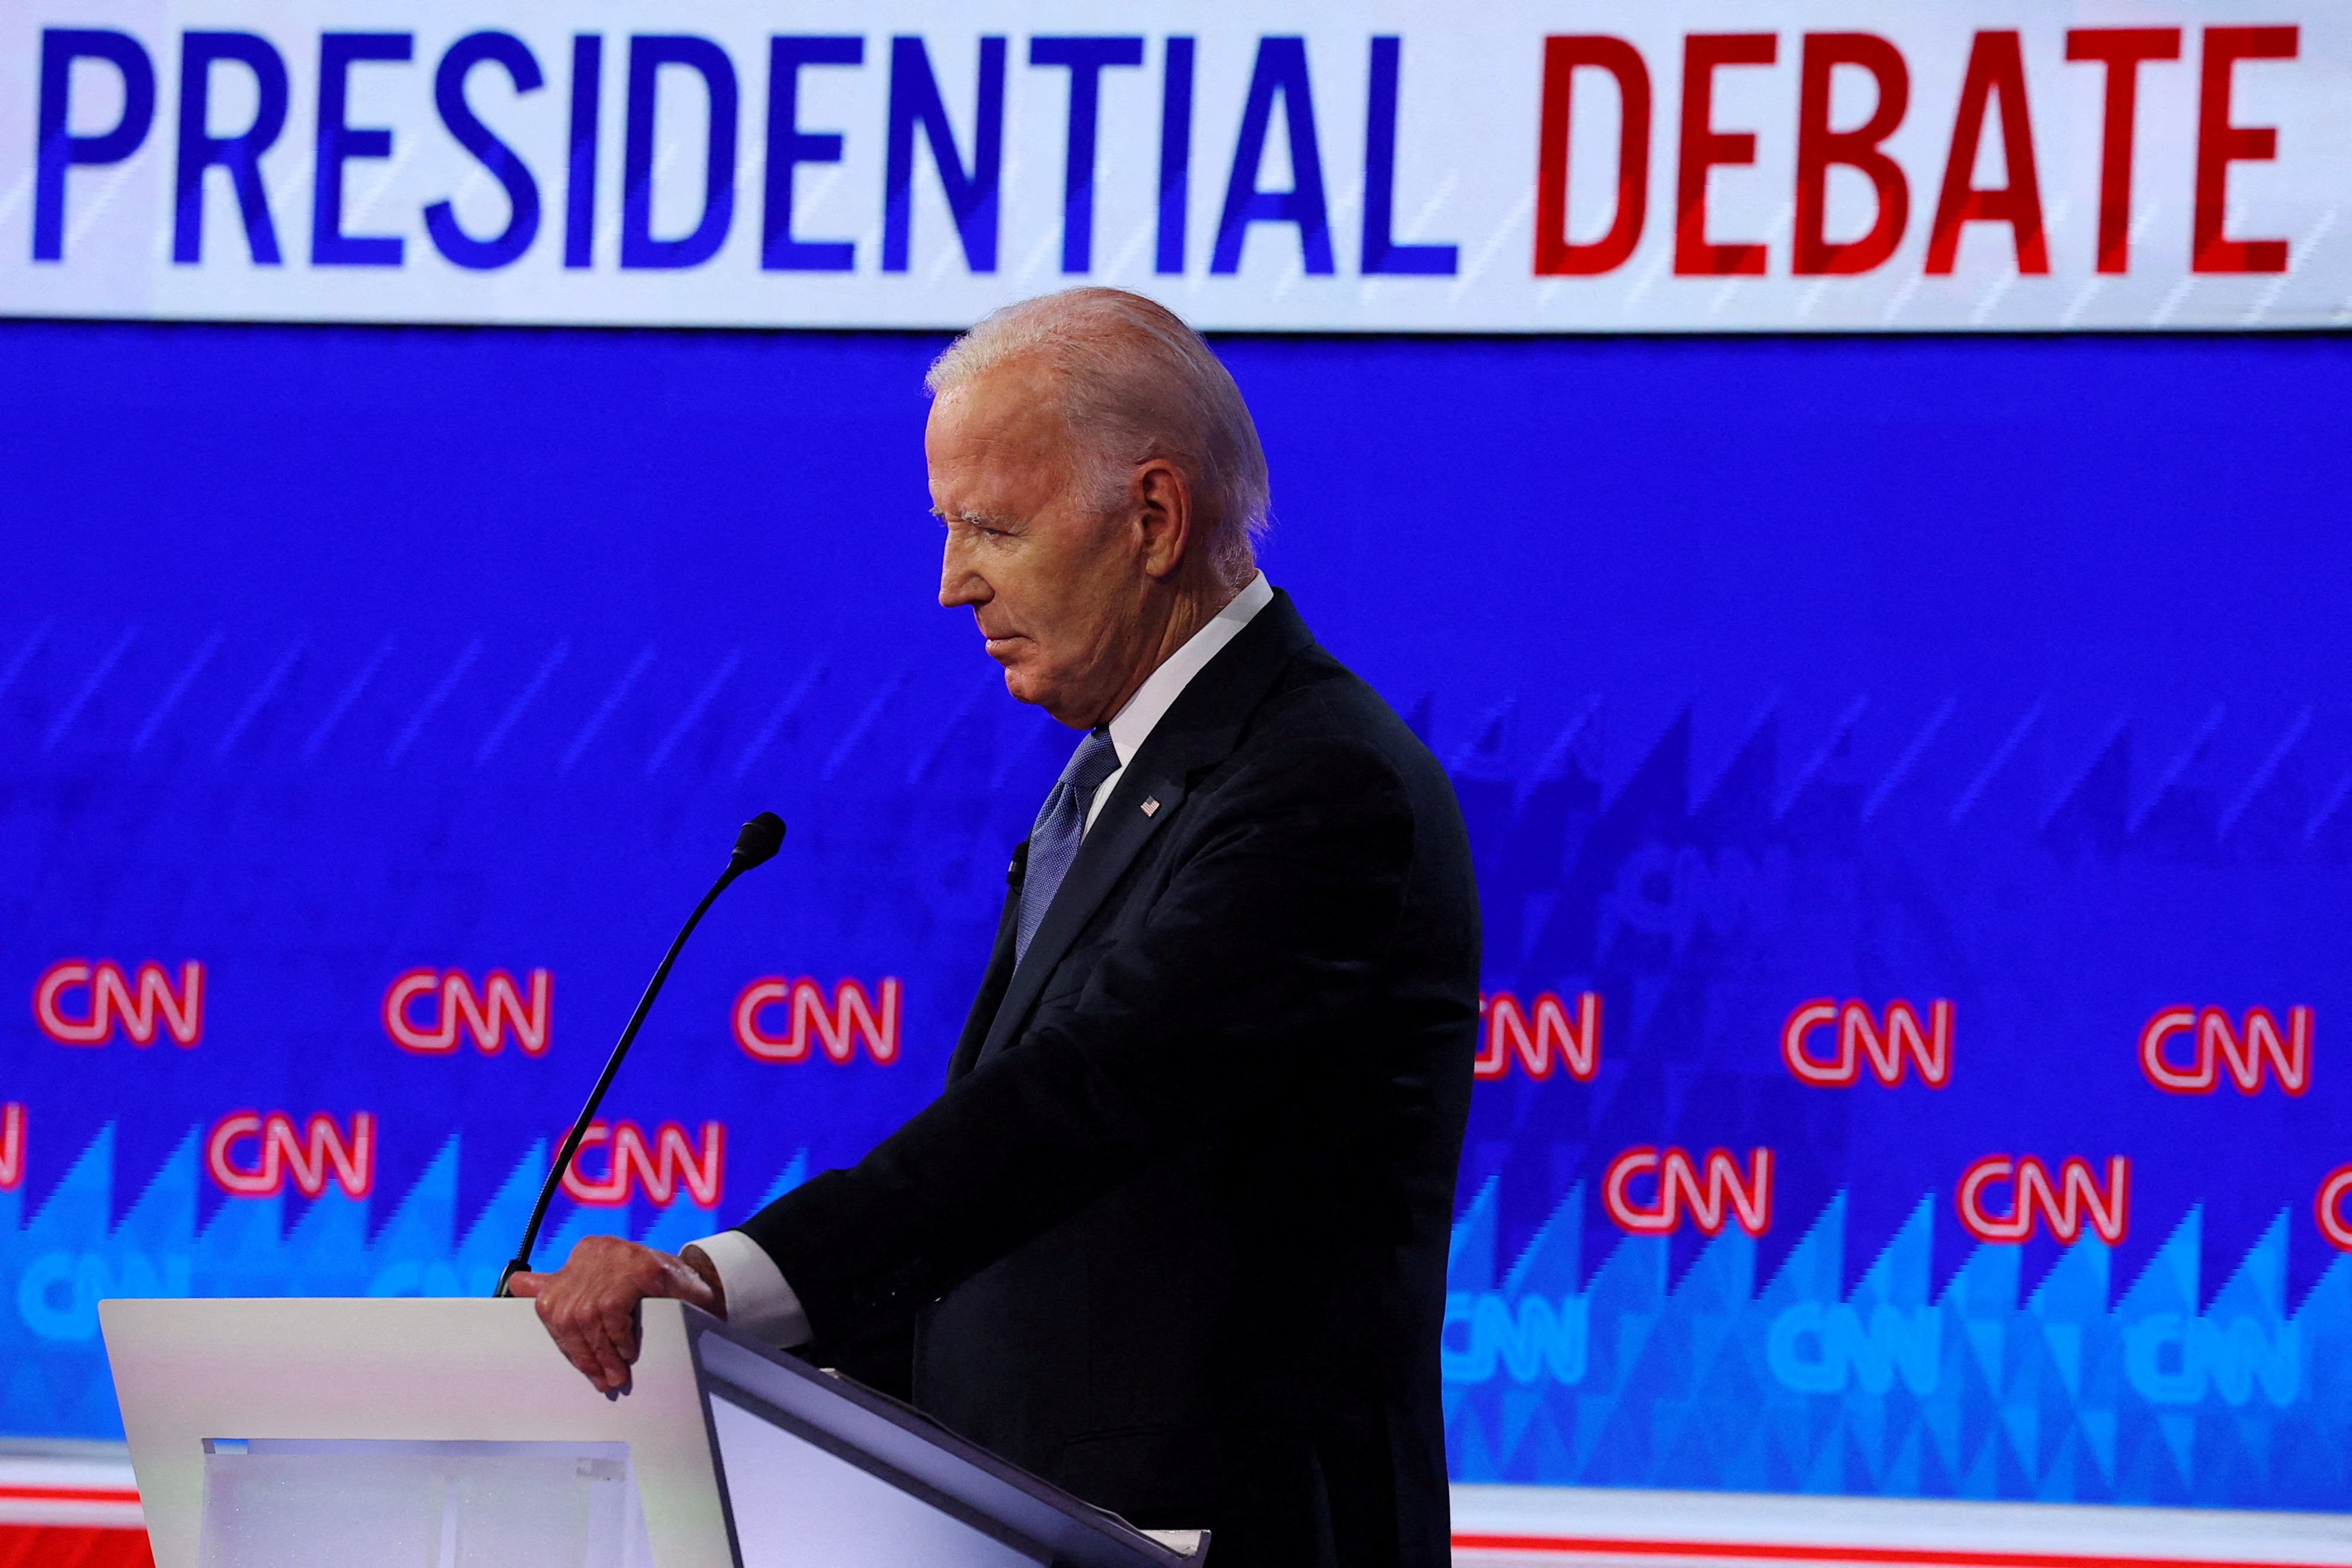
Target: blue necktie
1061	827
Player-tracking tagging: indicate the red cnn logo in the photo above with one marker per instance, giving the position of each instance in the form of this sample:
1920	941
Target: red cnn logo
487	1015
1723	1196
2332	1191
114	997
2218	1043
659	1170
1533	1033
319	1153
2061	1206
12	1146
1859	1039
854	1013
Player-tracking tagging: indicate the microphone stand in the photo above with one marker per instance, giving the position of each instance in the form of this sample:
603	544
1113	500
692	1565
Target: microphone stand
755	845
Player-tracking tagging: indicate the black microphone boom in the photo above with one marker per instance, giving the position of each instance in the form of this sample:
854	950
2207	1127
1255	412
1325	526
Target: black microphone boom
755	845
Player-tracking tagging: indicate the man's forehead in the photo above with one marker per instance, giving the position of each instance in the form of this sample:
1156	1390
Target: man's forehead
1007	406
991	492
994	447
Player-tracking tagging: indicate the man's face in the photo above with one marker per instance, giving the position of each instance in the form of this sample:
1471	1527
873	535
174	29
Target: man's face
1056	589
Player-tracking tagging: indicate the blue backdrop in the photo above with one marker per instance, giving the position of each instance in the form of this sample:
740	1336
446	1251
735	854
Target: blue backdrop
2003	674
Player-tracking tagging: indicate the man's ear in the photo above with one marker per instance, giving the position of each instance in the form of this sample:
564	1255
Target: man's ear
1163	503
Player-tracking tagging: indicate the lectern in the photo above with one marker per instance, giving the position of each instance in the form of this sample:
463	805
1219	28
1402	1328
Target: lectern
451	1434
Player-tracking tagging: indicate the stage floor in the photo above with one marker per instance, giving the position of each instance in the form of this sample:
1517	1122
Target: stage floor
81	1511
1498	1525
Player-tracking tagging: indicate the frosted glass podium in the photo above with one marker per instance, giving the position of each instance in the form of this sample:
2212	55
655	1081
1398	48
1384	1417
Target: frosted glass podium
451	1434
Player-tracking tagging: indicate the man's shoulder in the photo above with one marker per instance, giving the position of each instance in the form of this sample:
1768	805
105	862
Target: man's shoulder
1277	709
1318	707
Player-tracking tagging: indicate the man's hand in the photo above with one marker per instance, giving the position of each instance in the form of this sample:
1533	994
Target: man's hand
590	1305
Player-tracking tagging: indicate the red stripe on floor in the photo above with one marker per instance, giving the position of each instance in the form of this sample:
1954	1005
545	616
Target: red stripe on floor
72	1546
1771	1552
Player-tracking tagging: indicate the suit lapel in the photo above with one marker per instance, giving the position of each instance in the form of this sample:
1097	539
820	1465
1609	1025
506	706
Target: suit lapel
1120	831
999	971
1200	730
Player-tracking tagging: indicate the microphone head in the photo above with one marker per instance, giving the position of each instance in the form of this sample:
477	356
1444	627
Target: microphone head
758	842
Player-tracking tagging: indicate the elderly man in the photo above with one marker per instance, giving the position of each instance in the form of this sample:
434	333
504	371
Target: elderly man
1174	1234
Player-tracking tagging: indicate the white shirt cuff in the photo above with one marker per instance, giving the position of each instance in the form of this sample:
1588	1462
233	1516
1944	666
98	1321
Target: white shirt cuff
759	1303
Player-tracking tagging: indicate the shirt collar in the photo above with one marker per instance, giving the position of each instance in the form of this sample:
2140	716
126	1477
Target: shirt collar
1134	724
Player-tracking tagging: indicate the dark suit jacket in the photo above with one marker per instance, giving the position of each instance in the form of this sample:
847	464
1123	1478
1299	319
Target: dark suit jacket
1174	1235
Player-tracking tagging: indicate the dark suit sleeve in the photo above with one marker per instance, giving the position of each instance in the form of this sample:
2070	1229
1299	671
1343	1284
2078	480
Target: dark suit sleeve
1275	923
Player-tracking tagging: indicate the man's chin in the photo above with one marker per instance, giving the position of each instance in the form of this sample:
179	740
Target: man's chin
1024	682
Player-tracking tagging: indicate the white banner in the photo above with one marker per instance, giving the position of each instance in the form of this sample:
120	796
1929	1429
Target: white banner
1672	165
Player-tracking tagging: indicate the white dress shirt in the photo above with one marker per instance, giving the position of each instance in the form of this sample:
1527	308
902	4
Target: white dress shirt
759	1302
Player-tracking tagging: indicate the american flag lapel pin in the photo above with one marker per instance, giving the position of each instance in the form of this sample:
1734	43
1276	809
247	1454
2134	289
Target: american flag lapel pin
1151	806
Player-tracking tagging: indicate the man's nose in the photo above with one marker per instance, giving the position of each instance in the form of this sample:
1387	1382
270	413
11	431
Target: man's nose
958	584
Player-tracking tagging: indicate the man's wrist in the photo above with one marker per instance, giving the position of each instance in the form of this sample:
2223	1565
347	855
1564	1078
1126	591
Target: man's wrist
694	1257
760	1299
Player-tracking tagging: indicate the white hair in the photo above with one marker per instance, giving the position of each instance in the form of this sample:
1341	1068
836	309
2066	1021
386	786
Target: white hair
1137	383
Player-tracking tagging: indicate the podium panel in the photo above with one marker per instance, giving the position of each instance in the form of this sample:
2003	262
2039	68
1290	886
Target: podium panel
363	1502
796	1505
448	1433
452	1432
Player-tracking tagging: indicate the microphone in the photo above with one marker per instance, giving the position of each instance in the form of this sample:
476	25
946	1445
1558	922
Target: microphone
756	845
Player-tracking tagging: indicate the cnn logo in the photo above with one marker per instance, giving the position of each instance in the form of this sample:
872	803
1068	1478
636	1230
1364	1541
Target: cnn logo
1724	1195
12	1146
253	1156
1902	1041
2333	1222
1536	1035
658	1168
110	998
424	1009
2243	1051
2060	1207
806	1020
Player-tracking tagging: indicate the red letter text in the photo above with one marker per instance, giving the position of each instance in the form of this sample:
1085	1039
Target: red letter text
1995	68
1555	255
1818	147
2123	49
1704	147
2221	144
